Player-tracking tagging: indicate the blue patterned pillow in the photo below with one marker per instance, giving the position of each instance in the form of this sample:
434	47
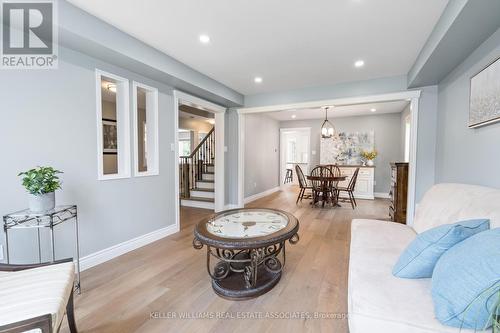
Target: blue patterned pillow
420	257
466	282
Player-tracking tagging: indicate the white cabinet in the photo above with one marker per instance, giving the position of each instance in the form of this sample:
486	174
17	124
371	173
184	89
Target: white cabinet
364	183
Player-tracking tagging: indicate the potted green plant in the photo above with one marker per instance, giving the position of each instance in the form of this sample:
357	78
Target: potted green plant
369	156
41	183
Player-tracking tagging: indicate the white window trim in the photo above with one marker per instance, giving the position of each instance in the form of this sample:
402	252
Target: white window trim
124	140
153	157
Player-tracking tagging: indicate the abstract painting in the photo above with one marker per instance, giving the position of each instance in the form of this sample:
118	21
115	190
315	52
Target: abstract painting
346	148
485	96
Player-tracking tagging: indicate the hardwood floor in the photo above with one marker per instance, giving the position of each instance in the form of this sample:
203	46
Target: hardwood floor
169	277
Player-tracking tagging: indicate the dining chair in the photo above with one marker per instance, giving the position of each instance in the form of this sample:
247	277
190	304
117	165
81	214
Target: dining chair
336	173
350	188
317	185
304	185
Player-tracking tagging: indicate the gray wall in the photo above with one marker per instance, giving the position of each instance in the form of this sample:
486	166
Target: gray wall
387	128
261	153
467	155
49	118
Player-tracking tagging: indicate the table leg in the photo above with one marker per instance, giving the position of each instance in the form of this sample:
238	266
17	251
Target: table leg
39	247
7	245
325	195
52	244
78	287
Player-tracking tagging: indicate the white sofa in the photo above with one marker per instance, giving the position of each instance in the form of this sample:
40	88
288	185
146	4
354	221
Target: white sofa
380	302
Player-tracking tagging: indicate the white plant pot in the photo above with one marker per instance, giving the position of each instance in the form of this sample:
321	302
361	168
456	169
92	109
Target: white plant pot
42	202
369	162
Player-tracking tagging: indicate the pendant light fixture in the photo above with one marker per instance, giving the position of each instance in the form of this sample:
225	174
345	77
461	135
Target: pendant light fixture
327	129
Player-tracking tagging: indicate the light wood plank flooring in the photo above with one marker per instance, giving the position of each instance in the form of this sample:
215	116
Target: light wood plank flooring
170	277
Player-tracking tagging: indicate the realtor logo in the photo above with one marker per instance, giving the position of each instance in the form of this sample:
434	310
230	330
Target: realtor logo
29	35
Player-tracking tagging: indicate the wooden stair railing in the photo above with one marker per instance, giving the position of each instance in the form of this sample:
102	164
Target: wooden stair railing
194	165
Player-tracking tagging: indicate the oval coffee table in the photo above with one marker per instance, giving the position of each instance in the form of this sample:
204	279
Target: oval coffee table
247	245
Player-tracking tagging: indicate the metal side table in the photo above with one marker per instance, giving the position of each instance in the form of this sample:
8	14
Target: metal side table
25	219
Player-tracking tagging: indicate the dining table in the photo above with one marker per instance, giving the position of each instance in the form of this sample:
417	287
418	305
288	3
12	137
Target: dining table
326	182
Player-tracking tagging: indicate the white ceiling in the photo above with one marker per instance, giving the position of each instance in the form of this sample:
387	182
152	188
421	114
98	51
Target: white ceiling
290	44
341	111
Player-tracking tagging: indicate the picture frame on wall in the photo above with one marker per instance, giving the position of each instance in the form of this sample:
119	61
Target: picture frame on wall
109	136
484	99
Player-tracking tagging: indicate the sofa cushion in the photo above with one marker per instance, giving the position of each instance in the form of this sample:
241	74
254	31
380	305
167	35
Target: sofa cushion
35	292
485	205
419	258
379	301
448	203
466	281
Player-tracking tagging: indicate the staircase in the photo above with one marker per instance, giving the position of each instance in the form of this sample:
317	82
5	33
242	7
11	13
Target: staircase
197	186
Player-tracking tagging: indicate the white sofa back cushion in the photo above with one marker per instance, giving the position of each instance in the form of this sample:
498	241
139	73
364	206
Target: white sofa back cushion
450	203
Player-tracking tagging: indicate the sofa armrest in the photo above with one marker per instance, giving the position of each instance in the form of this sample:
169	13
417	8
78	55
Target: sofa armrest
15	268
44	323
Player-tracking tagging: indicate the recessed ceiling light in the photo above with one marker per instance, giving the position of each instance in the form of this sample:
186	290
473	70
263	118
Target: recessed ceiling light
373	110
294	116
258	79
359	63
205	39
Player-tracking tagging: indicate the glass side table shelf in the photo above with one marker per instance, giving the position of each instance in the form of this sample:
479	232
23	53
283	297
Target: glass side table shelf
26	219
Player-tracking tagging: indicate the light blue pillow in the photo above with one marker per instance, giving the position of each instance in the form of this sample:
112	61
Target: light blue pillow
466	281
419	258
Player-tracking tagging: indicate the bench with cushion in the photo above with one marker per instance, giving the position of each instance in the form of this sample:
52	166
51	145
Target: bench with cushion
35	297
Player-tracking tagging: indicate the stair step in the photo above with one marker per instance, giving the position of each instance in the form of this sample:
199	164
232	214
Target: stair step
205	181
207	176
201	199
198	203
203	193
208	173
205	184
203	189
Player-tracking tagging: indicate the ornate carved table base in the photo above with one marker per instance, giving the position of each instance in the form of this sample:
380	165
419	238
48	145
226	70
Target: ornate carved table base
246	249
245	274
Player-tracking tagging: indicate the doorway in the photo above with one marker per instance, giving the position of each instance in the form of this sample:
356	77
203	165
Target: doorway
412	97
199	153
295	146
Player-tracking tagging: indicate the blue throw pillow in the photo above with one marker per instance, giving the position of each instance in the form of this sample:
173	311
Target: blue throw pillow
466	281
419	258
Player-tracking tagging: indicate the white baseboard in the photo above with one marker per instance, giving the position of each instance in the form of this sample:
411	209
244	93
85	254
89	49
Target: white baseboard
261	194
381	195
114	251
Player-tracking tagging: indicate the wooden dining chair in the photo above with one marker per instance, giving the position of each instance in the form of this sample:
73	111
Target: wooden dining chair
321	171
350	188
304	185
